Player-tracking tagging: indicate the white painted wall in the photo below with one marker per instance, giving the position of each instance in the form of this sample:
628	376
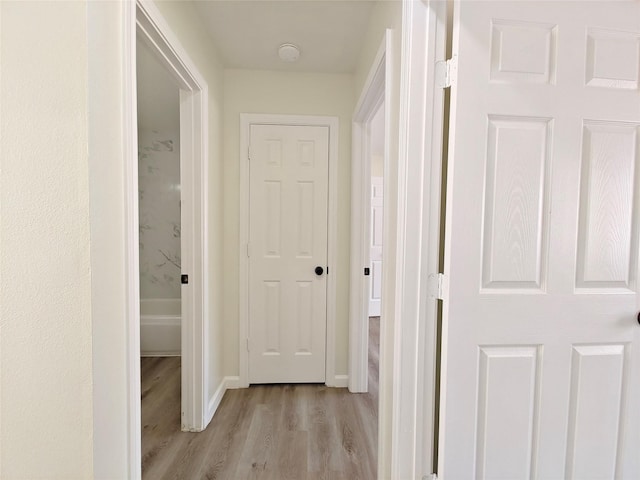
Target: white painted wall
253	91
386	15
46	378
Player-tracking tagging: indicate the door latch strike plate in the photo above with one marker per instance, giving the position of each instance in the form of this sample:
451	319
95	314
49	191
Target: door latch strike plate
367	272
184	279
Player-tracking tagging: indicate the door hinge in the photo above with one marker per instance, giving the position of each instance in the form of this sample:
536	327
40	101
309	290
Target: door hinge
249	153
437	285
248	345
447	72
248	250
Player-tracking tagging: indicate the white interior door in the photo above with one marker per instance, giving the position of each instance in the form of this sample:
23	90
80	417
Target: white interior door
289	168
375	252
541	342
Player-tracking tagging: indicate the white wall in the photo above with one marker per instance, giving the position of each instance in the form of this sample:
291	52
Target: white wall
46	378
386	15
251	91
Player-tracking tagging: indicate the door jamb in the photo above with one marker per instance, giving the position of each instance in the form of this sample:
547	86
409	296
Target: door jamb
420	173
374	93
141	17
246	120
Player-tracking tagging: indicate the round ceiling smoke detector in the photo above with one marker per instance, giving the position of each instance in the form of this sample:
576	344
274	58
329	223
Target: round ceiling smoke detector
288	52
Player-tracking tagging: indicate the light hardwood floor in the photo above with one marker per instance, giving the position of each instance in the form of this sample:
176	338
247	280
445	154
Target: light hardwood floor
266	431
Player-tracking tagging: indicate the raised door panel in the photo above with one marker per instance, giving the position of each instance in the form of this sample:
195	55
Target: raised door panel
597	382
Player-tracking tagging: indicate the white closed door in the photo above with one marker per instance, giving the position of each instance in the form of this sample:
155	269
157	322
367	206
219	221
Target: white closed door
375	252
289	169
541	341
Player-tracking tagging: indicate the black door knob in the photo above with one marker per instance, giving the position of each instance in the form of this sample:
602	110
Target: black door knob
319	271
638	317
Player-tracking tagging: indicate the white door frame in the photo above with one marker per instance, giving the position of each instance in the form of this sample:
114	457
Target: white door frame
418	239
246	120
143	19
374	94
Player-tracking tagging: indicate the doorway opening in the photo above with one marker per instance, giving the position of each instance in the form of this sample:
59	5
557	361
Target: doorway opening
374	246
369	162
160	249
196	406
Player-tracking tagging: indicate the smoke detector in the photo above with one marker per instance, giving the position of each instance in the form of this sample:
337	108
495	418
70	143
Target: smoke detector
288	52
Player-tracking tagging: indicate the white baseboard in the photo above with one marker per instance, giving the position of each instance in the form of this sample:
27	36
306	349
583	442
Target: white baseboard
160	335
340	381
226	384
214	401
233	382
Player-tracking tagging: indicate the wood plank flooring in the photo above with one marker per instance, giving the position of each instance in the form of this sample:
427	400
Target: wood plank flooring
275	432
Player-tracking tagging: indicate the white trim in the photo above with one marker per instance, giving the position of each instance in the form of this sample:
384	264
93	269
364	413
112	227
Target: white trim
216	398
418	239
132	270
142	17
233	382
228	382
373	95
246	119
340	381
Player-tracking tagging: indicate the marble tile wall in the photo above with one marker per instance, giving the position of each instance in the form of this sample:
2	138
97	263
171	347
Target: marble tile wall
159	204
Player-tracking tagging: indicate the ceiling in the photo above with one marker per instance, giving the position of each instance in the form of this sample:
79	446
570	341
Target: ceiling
158	95
247	33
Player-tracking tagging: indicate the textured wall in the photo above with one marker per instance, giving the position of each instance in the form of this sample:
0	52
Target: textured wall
46	376
159	205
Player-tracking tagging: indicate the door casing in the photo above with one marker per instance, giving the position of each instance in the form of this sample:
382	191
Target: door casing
142	18
246	120
419	190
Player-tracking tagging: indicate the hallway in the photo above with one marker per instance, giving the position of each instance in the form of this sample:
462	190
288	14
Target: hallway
265	431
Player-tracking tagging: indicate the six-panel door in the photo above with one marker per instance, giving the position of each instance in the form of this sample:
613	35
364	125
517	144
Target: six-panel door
289	170
541	367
